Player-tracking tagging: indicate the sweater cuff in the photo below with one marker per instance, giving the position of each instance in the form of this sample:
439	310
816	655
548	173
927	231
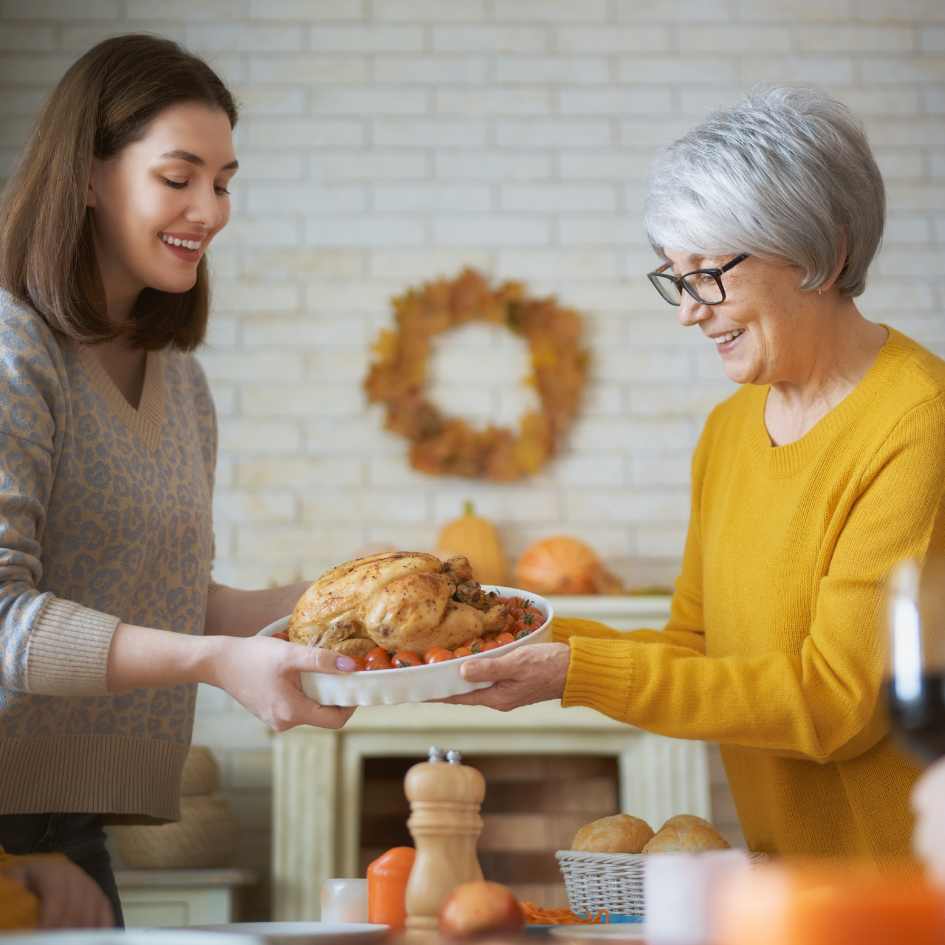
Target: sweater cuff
68	650
600	676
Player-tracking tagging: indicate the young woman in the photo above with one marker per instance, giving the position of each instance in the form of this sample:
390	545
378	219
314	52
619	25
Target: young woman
108	613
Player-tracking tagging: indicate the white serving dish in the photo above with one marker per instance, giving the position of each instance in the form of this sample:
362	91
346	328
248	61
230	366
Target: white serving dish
412	683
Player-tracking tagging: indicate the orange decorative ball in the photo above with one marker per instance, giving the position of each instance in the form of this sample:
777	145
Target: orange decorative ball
564	565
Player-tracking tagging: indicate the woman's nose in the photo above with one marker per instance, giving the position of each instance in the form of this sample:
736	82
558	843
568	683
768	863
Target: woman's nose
206	208
691	312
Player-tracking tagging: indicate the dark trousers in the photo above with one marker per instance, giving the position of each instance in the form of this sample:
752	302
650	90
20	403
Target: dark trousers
80	837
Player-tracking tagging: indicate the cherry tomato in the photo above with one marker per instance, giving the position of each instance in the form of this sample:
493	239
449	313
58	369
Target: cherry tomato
406	658
360	664
281	635
377	660
437	654
504	638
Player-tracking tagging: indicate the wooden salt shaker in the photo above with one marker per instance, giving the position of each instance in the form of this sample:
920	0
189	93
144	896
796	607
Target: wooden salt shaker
445	799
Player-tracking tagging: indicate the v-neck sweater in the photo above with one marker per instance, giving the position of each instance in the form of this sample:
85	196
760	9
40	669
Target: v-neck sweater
105	517
776	638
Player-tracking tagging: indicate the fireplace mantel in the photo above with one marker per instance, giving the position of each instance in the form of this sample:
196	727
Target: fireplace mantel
317	773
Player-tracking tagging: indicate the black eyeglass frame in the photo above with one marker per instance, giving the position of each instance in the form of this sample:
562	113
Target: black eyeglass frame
681	283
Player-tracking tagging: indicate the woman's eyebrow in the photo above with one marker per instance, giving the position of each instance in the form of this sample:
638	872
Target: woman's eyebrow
192	158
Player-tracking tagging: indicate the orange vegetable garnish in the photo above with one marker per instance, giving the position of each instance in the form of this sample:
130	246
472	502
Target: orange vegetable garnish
281	635
462	651
536	915
406	658
490	645
504	638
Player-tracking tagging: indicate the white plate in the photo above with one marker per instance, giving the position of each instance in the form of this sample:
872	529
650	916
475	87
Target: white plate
619	931
132	937
412	683
301	933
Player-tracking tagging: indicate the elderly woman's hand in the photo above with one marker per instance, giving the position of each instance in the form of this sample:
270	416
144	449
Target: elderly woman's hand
528	674
928	841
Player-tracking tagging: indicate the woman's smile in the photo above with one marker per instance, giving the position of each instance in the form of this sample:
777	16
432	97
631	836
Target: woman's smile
187	247
726	341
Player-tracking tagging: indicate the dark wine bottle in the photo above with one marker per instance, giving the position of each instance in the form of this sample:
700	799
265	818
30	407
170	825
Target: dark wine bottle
917	713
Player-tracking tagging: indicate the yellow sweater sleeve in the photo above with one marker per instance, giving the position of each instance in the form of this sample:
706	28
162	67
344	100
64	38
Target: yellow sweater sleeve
822	702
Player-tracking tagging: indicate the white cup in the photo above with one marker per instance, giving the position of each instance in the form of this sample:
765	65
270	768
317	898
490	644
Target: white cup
344	900
679	893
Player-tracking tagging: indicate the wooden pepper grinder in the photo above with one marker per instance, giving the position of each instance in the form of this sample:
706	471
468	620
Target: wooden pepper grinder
445	797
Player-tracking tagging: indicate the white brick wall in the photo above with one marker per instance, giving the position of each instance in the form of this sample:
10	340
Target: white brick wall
384	142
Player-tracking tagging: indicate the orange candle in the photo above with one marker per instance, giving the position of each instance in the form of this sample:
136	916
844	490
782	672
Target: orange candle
829	903
387	886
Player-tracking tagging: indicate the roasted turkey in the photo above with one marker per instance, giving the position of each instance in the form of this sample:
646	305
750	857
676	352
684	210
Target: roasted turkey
400	600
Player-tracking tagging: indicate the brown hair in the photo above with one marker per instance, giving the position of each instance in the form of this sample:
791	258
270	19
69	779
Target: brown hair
103	103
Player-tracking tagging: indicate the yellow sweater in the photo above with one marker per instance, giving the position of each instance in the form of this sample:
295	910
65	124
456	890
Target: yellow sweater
775	643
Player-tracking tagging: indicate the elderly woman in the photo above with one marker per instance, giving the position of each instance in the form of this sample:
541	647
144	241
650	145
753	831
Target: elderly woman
824	469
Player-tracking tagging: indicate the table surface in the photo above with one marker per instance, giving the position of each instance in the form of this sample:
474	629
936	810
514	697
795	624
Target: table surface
533	937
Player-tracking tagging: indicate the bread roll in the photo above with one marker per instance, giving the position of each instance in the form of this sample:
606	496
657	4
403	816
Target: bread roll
619	833
686	833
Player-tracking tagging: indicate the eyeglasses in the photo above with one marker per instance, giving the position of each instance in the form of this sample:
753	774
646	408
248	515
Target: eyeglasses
704	285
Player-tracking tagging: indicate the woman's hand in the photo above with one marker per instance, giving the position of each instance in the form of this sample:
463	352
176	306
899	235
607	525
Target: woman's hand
532	673
68	897
262	674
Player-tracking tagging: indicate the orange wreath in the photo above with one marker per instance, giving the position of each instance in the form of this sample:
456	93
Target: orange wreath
443	445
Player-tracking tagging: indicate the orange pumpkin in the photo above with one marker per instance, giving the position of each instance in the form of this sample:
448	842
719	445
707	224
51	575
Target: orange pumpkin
564	565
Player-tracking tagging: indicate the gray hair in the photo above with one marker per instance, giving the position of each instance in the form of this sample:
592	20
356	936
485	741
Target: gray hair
785	173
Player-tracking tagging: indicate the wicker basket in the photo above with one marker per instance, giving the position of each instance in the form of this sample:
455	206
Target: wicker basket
611	882
201	773
598	882
205	836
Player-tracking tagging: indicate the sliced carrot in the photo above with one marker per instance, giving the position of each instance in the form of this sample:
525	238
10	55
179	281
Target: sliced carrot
281	635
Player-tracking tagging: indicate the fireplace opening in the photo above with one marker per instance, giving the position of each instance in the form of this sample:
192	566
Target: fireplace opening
533	806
